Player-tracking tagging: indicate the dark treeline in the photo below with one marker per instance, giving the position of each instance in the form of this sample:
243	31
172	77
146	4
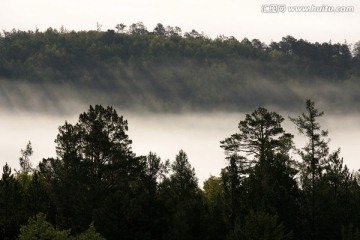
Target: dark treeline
165	69
98	188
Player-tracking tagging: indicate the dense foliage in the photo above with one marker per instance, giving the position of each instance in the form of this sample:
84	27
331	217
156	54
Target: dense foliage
165	69
98	188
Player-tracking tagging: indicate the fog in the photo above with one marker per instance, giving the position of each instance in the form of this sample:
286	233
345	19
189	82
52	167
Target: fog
34	111
198	134
67	98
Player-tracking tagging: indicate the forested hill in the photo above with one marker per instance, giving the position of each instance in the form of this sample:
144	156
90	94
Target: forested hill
165	69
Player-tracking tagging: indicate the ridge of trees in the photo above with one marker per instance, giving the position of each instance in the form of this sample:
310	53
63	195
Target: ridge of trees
62	51
98	188
168	69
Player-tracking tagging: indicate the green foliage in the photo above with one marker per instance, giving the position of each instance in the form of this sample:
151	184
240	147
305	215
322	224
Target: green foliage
262	226
213	190
89	234
39	228
214	197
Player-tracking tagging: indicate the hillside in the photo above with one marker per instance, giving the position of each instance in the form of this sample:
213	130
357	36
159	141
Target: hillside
165	70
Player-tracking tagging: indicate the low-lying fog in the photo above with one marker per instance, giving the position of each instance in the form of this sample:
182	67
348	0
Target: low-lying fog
165	134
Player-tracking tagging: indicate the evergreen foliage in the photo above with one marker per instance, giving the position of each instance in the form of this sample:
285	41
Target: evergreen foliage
97	188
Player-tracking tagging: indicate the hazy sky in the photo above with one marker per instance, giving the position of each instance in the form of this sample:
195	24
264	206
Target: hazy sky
237	18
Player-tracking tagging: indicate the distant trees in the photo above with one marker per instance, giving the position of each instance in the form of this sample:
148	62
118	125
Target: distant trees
54	51
159	30
173	69
173	31
138	29
120	27
193	34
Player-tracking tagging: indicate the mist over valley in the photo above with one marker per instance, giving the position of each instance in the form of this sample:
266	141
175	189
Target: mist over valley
197	133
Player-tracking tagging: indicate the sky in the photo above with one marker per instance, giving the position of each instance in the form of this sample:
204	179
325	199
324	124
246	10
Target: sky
236	18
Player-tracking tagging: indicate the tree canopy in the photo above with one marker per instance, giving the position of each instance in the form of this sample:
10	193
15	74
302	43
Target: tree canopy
98	188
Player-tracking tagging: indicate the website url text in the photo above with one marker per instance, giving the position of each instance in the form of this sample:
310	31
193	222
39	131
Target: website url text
282	8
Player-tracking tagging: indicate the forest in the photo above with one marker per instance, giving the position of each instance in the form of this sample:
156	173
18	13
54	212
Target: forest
98	188
168	70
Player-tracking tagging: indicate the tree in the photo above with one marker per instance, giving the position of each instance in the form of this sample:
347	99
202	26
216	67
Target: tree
37	199
98	27
89	234
215	200
155	170
333	191
173	31
193	34
257	44
138	29
213	190
25	164
183	178
246	42
12	213
271	188
336	174
95	165
232	177
262	226
259	175
159	30
288	45
260	133
99	139
182	198
153	210
313	154
120	27
356	50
